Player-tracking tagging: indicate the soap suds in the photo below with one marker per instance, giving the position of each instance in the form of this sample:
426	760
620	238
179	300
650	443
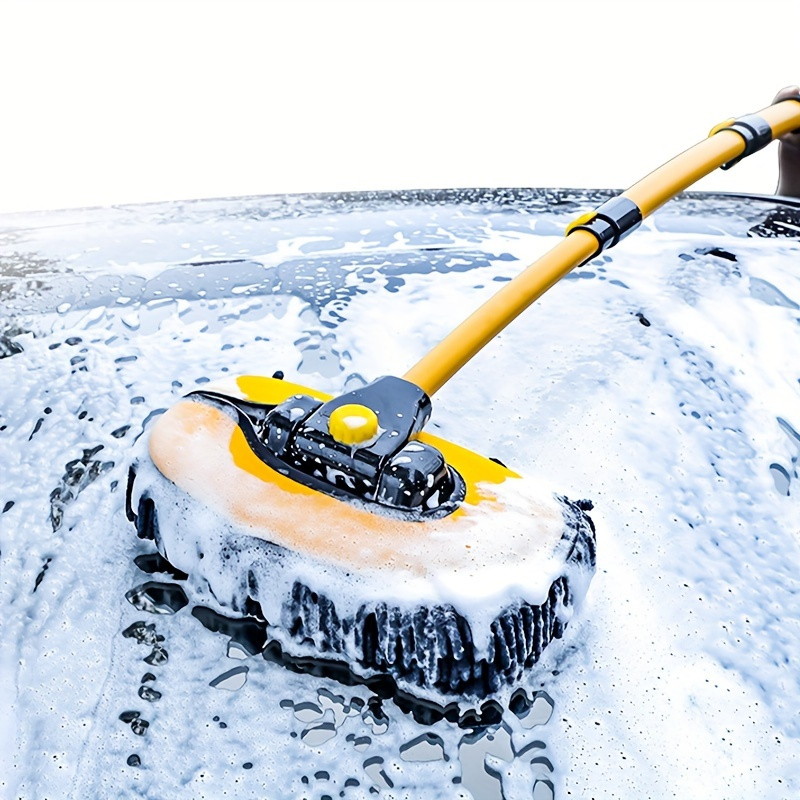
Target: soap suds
678	675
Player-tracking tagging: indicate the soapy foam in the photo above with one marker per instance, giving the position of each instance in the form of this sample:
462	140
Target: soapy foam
352	568
677	675
518	528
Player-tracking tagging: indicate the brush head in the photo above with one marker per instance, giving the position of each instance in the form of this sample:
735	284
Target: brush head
434	564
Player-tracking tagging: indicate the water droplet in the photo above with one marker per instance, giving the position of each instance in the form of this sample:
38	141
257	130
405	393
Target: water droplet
149	694
318	734
426	747
232	680
307	712
157	598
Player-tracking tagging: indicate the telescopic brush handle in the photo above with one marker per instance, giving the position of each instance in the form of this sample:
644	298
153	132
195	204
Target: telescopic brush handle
590	234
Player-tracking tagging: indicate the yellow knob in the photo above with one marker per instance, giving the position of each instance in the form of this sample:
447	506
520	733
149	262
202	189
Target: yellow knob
353	424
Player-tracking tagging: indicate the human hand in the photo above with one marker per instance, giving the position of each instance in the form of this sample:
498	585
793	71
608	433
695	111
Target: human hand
789	153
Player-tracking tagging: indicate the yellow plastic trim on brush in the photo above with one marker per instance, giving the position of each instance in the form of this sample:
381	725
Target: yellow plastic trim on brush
474	468
226	451
723	146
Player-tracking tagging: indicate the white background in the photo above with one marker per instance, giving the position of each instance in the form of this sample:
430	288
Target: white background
112	102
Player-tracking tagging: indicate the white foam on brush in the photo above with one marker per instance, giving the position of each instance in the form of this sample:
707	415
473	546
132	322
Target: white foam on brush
506	552
678	677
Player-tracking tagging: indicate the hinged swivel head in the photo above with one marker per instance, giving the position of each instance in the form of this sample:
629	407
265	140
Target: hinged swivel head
362	445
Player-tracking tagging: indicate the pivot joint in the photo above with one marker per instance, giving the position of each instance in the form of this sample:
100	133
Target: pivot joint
361	446
609	223
754	130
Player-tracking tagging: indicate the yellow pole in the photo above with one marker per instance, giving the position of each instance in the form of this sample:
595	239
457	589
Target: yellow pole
671	178
441	363
722	146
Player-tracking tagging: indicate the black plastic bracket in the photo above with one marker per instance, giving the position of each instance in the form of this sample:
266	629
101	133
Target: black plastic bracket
612	222
755	131
394	471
